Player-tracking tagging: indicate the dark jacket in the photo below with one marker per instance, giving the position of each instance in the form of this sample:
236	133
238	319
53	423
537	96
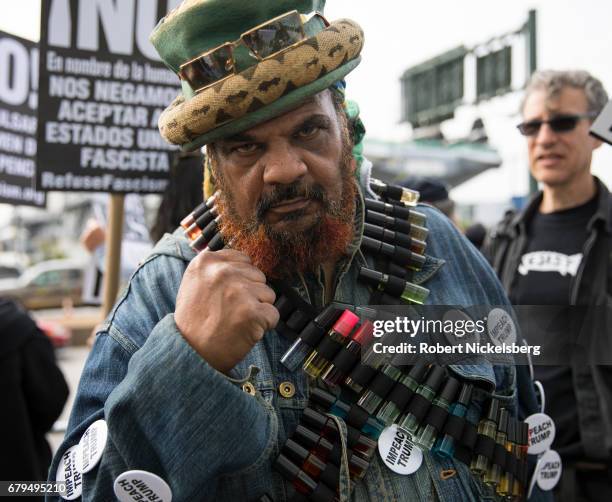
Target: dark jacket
591	290
33	393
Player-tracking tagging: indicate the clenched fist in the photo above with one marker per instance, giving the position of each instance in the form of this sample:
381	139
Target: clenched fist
224	306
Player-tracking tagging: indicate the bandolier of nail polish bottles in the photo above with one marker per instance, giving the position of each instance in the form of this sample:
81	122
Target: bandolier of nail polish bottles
354	415
312	465
402	393
436	416
394	286
330	452
485	444
394	192
310	337
365	370
379	388
321	358
302	482
356	441
493	475
421	401
348	357
453	428
504	488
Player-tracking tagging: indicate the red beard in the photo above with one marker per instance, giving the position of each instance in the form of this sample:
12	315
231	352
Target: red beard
281	255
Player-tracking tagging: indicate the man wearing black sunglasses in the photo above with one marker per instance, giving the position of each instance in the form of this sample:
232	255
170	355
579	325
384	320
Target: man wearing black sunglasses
557	252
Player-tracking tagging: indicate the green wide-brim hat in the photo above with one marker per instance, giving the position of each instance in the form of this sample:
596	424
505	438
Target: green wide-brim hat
259	90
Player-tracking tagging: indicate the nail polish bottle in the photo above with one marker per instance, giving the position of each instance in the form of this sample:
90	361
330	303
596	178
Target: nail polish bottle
285	307
198	211
395	192
216	243
206	235
395	238
312	465
401	393
203	220
320	358
398	254
504	488
428	433
517	486
422	399
523	447
352	414
397	211
379	388
302	482
394	286
328	452
359	443
493	475
445	445
349	355
486	427
396	224
365	371
190	219
296	322
310	337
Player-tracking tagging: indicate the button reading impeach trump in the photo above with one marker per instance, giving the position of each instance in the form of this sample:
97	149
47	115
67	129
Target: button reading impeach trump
398	451
548	470
68	473
501	327
541	433
92	445
143	486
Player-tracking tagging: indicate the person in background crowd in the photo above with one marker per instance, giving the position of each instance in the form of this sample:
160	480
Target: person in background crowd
476	234
182	194
557	251
135	243
33	393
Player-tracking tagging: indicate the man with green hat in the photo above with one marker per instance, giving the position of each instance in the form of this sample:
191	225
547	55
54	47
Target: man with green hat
186	372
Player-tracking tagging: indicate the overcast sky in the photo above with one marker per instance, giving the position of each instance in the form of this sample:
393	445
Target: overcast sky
402	33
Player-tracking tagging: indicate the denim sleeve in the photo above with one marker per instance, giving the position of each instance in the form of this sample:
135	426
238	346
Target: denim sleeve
167	410
175	416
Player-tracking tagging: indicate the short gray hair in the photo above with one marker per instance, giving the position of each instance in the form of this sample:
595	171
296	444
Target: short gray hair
553	81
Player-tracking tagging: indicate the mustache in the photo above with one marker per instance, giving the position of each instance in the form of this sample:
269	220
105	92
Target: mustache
284	193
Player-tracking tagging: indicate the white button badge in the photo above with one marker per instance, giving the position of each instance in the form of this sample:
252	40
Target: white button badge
398	452
141	485
92	446
68	473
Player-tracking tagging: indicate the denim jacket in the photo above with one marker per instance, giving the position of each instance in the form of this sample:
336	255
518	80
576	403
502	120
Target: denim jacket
170	413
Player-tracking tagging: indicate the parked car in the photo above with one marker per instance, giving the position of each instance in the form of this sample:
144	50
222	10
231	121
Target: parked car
48	284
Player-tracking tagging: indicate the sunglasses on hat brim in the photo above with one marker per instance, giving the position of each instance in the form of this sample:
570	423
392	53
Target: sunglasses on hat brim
560	123
264	41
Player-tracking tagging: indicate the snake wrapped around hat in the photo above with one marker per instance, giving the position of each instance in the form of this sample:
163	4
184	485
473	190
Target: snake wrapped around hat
265	88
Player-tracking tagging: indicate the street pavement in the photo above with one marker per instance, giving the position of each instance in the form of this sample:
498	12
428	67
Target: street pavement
71	361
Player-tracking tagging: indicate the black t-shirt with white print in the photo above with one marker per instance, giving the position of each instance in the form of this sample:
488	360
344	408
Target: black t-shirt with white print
544	277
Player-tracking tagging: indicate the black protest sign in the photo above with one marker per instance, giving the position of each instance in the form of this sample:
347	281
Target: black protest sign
18	98
102	89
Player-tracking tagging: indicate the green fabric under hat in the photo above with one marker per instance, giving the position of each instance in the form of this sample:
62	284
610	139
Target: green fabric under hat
260	90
